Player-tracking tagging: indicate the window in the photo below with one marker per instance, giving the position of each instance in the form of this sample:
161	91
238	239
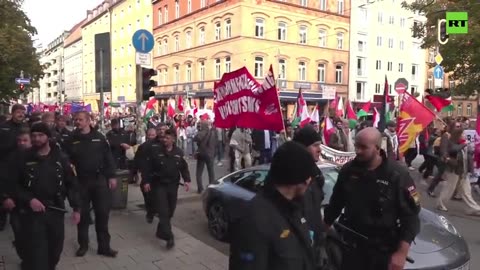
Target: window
401	45
378	65
389	66
282	69
259	27
360	90
322	38
177	44
218	68
391	20
323	5
414	72
380	17
159	48
202	71
321	73
338	74
188	39
361	66
189	6
165	46
258	67
400	67
363	14
430	82
402	22
282	31
377	88
379	41
160	16
201	39
177	74
340	7
165	15
177	9
302	71
218	31
189	73
459	109
304	3
390	43
340	40
469	109
165	76
228	28
451	84
202	3
228	64
302	31
362	46
431	56
413	89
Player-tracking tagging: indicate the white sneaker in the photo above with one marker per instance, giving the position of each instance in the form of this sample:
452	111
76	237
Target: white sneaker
219	164
411	168
442	208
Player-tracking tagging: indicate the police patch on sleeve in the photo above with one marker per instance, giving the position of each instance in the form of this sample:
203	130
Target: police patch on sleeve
247	256
414	194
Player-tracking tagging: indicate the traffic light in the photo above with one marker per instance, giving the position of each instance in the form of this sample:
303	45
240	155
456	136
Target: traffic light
21	87
148	83
442	32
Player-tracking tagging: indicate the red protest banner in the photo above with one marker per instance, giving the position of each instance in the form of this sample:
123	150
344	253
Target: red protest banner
240	101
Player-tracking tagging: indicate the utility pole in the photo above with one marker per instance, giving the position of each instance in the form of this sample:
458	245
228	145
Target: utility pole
139	97
102	120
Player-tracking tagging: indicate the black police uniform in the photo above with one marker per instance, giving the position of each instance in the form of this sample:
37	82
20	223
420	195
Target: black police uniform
382	204
61	136
8	144
273	235
139	161
115	139
162	170
93	161
48	179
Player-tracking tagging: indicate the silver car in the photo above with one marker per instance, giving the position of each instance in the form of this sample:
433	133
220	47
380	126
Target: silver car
438	246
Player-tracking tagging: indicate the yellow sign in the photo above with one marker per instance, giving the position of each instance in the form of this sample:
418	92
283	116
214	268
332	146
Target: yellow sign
438	59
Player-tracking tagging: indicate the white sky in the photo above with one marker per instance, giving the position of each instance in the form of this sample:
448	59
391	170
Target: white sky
52	17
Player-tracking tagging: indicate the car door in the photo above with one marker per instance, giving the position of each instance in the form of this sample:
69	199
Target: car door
254	181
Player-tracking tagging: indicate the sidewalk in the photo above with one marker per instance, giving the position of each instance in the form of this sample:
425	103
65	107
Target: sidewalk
135	240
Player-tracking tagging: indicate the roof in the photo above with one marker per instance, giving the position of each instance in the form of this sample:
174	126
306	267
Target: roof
75	34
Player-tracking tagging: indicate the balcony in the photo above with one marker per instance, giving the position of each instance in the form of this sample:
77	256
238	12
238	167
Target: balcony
361	72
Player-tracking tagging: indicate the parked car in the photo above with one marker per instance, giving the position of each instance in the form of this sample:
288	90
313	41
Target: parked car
438	246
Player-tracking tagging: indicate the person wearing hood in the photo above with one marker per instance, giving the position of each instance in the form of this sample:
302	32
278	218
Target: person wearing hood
206	140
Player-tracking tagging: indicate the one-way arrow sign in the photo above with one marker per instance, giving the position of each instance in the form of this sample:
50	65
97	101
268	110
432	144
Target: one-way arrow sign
22	81
438	72
143	41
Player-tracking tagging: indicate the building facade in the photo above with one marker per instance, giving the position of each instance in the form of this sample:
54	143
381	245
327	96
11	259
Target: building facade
98	21
52	85
73	64
306	43
128	16
381	45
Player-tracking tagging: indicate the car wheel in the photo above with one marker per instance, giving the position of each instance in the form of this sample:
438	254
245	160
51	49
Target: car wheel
217	221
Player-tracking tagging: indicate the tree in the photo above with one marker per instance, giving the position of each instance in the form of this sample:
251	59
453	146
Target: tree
461	55
16	49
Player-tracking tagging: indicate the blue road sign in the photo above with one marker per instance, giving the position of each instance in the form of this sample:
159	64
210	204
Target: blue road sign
143	41
22	81
438	72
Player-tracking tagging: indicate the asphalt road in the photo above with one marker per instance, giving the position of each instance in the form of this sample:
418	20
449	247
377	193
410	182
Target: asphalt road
190	217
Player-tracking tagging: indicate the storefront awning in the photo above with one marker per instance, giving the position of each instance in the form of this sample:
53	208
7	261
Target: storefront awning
311	97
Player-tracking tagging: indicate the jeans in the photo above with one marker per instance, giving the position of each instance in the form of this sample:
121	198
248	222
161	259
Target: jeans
202	161
219	151
427	165
410	155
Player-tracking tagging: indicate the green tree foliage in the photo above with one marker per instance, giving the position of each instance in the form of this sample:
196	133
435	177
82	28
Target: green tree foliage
461	55
16	49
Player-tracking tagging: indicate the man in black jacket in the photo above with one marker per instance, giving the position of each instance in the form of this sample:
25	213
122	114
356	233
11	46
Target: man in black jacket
380	201
164	165
273	233
44	177
90	153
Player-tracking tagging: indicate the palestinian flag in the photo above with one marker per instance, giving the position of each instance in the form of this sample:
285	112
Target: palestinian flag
302	117
351	116
441	100
150	108
363	112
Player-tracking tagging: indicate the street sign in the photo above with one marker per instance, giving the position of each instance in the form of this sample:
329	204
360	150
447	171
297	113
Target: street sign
144	59
401	85
22	81
143	41
438	59
438	72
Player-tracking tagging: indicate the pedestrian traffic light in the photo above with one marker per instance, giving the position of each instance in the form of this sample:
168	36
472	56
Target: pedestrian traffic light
148	83
21	87
442	32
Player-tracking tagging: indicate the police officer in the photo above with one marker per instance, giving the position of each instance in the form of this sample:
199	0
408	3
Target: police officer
273	233
90	154
62	134
380	201
8	143
44	178
164	164
118	140
139	161
311	139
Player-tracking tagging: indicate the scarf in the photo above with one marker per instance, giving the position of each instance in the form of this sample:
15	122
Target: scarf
392	136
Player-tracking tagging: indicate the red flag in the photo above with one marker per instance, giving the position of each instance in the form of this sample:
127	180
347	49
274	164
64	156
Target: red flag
439	102
180	103
366	106
171	109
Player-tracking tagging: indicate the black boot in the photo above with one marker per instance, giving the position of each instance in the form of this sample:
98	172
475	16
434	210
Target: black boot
81	251
170	243
107	252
